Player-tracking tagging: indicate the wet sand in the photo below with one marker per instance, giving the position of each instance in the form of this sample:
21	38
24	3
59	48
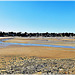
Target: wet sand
65	41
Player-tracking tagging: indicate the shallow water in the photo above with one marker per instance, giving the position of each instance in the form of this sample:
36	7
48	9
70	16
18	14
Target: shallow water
4	44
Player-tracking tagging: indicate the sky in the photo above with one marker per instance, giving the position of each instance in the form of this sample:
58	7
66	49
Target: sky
37	16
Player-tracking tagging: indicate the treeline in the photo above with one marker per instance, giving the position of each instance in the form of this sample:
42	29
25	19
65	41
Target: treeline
20	34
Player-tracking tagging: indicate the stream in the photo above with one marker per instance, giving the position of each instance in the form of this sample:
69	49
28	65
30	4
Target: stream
4	44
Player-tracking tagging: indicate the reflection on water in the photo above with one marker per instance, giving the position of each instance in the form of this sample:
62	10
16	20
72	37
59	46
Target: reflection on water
4	44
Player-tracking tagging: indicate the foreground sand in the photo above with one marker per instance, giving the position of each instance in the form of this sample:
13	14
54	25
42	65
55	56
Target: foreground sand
47	52
36	60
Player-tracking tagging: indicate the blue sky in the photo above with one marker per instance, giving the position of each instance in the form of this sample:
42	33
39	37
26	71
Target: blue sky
37	16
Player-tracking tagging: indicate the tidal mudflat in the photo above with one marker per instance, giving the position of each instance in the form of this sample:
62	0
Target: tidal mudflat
18	59
63	41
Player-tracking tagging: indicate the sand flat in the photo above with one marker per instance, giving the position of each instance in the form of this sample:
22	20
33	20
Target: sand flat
48	41
47	52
